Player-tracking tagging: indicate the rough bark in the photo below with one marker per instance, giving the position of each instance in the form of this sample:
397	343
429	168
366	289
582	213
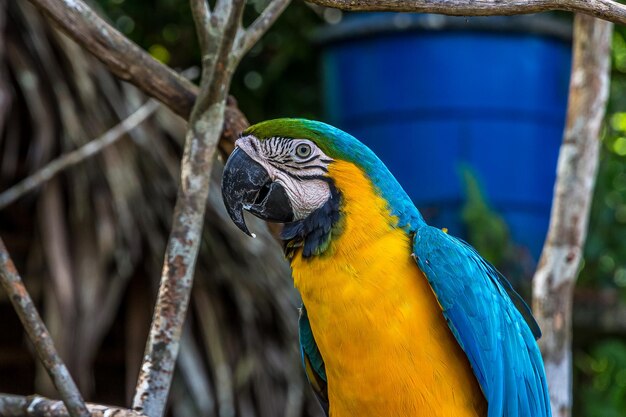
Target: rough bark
576	173
603	9
36	406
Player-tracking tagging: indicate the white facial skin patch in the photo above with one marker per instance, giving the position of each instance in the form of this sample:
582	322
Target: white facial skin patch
296	164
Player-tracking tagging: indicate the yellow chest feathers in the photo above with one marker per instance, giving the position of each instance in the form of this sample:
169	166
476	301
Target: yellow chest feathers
385	343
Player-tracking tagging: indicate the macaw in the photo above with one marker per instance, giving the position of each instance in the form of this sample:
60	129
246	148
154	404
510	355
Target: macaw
399	319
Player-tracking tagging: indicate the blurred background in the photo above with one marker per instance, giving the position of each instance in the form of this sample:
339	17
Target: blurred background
468	113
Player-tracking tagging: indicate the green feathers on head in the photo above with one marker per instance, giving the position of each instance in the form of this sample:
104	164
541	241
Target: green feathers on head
341	146
334	142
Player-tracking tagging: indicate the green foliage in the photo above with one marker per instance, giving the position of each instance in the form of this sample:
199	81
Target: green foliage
605	252
162	27
280	76
602	392
486	230
489	233
600	389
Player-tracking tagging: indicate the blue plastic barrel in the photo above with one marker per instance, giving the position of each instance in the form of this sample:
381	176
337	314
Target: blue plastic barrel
429	93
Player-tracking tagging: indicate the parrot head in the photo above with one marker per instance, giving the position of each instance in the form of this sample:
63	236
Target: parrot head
280	171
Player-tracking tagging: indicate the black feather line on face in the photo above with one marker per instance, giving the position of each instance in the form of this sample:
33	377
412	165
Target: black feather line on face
313	233
254	146
302	177
312	158
320	167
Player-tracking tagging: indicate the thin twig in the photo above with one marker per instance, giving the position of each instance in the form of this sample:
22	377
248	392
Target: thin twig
201	13
603	9
209	33
39	336
576	174
257	29
79	155
36	406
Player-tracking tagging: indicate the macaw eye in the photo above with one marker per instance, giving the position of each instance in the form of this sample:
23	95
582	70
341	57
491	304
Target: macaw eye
303	150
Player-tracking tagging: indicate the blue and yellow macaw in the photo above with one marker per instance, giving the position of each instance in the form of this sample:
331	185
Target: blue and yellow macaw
399	319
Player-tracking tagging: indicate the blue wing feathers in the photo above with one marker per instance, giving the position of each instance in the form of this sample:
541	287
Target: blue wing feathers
490	321
308	346
312	361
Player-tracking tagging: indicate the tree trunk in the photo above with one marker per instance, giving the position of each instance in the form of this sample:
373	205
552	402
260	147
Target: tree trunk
576	173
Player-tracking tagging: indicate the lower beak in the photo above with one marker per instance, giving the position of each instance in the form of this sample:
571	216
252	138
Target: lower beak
246	185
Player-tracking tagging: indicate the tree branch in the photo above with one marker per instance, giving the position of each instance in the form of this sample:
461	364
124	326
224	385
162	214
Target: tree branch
205	125
603	9
36	406
576	173
39	336
249	37
79	155
201	13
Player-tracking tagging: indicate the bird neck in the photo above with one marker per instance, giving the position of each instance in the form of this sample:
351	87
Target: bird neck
312	236
355	214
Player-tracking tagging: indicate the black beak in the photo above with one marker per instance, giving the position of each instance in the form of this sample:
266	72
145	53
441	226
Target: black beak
247	185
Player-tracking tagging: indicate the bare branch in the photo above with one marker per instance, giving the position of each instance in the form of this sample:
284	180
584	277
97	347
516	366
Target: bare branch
576	173
218	55
202	19
603	9
36	406
79	155
39	335
205	125
257	29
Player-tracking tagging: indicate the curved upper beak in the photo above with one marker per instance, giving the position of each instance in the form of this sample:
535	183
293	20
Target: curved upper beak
246	185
